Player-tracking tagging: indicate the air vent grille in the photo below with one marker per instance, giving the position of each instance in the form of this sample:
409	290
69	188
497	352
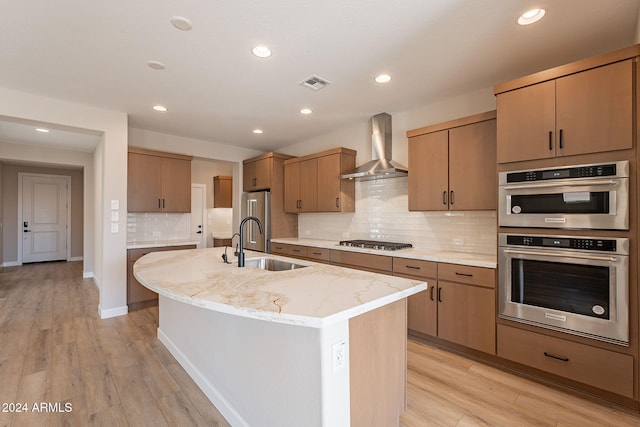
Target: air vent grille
314	82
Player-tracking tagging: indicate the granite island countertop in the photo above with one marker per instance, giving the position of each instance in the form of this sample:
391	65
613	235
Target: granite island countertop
159	243
316	296
462	258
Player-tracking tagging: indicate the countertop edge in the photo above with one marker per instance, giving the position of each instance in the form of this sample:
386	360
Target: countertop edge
160	244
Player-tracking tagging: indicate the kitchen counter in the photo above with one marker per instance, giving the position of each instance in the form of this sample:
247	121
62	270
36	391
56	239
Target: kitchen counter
276	347
462	258
160	244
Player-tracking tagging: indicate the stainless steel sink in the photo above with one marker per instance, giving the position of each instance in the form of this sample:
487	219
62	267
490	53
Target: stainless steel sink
271	264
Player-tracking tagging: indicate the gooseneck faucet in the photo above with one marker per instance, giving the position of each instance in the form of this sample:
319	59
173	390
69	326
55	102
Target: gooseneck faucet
241	233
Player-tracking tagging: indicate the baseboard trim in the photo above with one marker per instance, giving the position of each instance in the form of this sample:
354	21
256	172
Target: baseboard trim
11	264
76	258
113	312
212	393
87	274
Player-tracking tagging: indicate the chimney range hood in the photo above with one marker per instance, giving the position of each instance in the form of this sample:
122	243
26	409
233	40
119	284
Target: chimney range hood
381	165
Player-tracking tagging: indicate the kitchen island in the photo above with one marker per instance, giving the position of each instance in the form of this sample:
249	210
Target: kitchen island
316	346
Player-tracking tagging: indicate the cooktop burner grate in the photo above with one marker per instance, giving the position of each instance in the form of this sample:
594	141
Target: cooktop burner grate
375	244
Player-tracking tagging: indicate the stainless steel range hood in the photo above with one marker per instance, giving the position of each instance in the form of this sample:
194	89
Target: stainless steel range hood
381	165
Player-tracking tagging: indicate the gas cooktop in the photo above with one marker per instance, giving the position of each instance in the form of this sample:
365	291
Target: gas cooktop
375	244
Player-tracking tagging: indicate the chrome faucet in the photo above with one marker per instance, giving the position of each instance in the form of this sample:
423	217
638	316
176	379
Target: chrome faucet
241	233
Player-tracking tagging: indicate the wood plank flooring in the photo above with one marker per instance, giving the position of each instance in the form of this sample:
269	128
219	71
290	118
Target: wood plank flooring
114	372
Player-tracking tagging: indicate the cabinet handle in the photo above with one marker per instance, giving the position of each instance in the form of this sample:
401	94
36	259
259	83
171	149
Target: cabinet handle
439	294
159	204
464	274
316	253
560	358
295	250
561	139
300	203
162	203
550	140
451	197
431	294
444	197
413	267
337	202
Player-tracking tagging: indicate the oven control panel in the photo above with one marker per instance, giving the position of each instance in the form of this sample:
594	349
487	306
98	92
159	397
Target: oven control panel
589	171
585	244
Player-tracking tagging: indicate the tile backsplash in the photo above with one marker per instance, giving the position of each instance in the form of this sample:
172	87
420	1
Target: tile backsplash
382	214
151	227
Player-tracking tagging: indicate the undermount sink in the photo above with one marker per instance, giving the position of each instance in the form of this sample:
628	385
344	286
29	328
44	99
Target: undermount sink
271	264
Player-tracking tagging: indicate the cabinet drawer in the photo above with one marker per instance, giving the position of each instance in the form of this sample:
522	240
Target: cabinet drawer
379	263
593	366
319	254
414	267
478	276
289	250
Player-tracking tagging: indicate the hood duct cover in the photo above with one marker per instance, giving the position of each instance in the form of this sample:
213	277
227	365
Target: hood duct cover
381	165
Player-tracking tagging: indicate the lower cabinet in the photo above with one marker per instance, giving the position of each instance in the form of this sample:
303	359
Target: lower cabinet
597	367
139	296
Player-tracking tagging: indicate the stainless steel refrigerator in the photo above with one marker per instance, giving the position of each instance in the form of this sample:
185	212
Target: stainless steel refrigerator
257	204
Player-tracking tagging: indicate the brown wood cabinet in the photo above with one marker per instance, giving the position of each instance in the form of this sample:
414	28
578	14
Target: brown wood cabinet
222	191
139	296
422	308
312	182
600	368
584	112
453	165
300	251
257	172
158	182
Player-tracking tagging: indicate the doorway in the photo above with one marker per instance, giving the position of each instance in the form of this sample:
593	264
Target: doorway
198	214
44	217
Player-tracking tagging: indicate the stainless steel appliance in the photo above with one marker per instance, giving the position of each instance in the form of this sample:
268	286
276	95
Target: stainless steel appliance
578	285
257	204
582	197
375	244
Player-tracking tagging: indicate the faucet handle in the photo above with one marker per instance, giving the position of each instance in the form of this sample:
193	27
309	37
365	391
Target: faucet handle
237	251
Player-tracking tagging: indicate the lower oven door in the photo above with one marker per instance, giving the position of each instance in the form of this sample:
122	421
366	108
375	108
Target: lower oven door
579	293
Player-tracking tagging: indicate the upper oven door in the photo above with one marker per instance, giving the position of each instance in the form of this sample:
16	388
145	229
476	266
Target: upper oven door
589	203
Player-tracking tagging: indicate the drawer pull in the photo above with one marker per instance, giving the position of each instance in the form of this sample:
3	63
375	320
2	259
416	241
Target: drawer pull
439	294
316	253
413	267
464	274
562	359
295	250
431	295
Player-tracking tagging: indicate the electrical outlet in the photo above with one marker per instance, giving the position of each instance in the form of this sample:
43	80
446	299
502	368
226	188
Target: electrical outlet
339	355
345	234
156	234
458	241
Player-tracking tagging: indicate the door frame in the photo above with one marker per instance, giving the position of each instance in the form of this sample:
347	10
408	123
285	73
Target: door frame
205	218
67	178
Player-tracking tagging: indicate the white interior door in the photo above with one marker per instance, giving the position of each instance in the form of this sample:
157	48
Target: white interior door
198	214
44	218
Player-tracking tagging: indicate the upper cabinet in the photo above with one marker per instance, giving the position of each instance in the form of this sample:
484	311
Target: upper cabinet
312	182
452	165
222	191
588	110
260	173
158	181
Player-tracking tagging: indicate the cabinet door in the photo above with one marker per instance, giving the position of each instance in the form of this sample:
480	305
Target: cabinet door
248	176
472	167
329	183
292	187
222	192
466	315
526	123
176	185
422	312
429	177
309	185
144	188
263	174
595	110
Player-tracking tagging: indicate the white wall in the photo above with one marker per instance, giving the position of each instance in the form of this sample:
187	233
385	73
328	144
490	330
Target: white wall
107	251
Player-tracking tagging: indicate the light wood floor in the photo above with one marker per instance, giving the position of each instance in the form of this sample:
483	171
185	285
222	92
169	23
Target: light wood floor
114	372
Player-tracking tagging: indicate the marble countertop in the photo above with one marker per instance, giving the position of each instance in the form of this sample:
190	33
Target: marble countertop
315	296
462	258
160	244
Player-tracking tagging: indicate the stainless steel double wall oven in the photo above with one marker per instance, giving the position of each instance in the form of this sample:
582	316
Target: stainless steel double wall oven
577	284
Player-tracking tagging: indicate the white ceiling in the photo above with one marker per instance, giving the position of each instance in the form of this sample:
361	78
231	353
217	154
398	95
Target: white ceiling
95	52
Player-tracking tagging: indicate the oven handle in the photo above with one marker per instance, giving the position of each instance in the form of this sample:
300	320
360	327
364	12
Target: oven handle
562	184
579	256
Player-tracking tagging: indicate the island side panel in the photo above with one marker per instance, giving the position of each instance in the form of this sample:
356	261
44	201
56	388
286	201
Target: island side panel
258	372
378	365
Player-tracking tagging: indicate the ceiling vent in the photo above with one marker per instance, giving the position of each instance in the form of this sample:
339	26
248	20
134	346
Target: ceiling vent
314	82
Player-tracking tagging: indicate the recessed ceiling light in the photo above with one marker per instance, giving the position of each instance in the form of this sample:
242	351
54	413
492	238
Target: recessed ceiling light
531	16
181	23
257	131
261	51
161	108
383	78
156	65
306	111
43	130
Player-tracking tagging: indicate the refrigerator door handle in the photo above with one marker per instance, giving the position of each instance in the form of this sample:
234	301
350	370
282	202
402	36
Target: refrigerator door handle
251	208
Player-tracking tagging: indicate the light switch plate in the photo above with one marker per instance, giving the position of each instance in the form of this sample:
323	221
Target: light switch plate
115	204
114	227
115	216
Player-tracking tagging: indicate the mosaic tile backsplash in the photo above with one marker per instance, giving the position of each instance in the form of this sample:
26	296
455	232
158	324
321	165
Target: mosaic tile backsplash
151	227
382	214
